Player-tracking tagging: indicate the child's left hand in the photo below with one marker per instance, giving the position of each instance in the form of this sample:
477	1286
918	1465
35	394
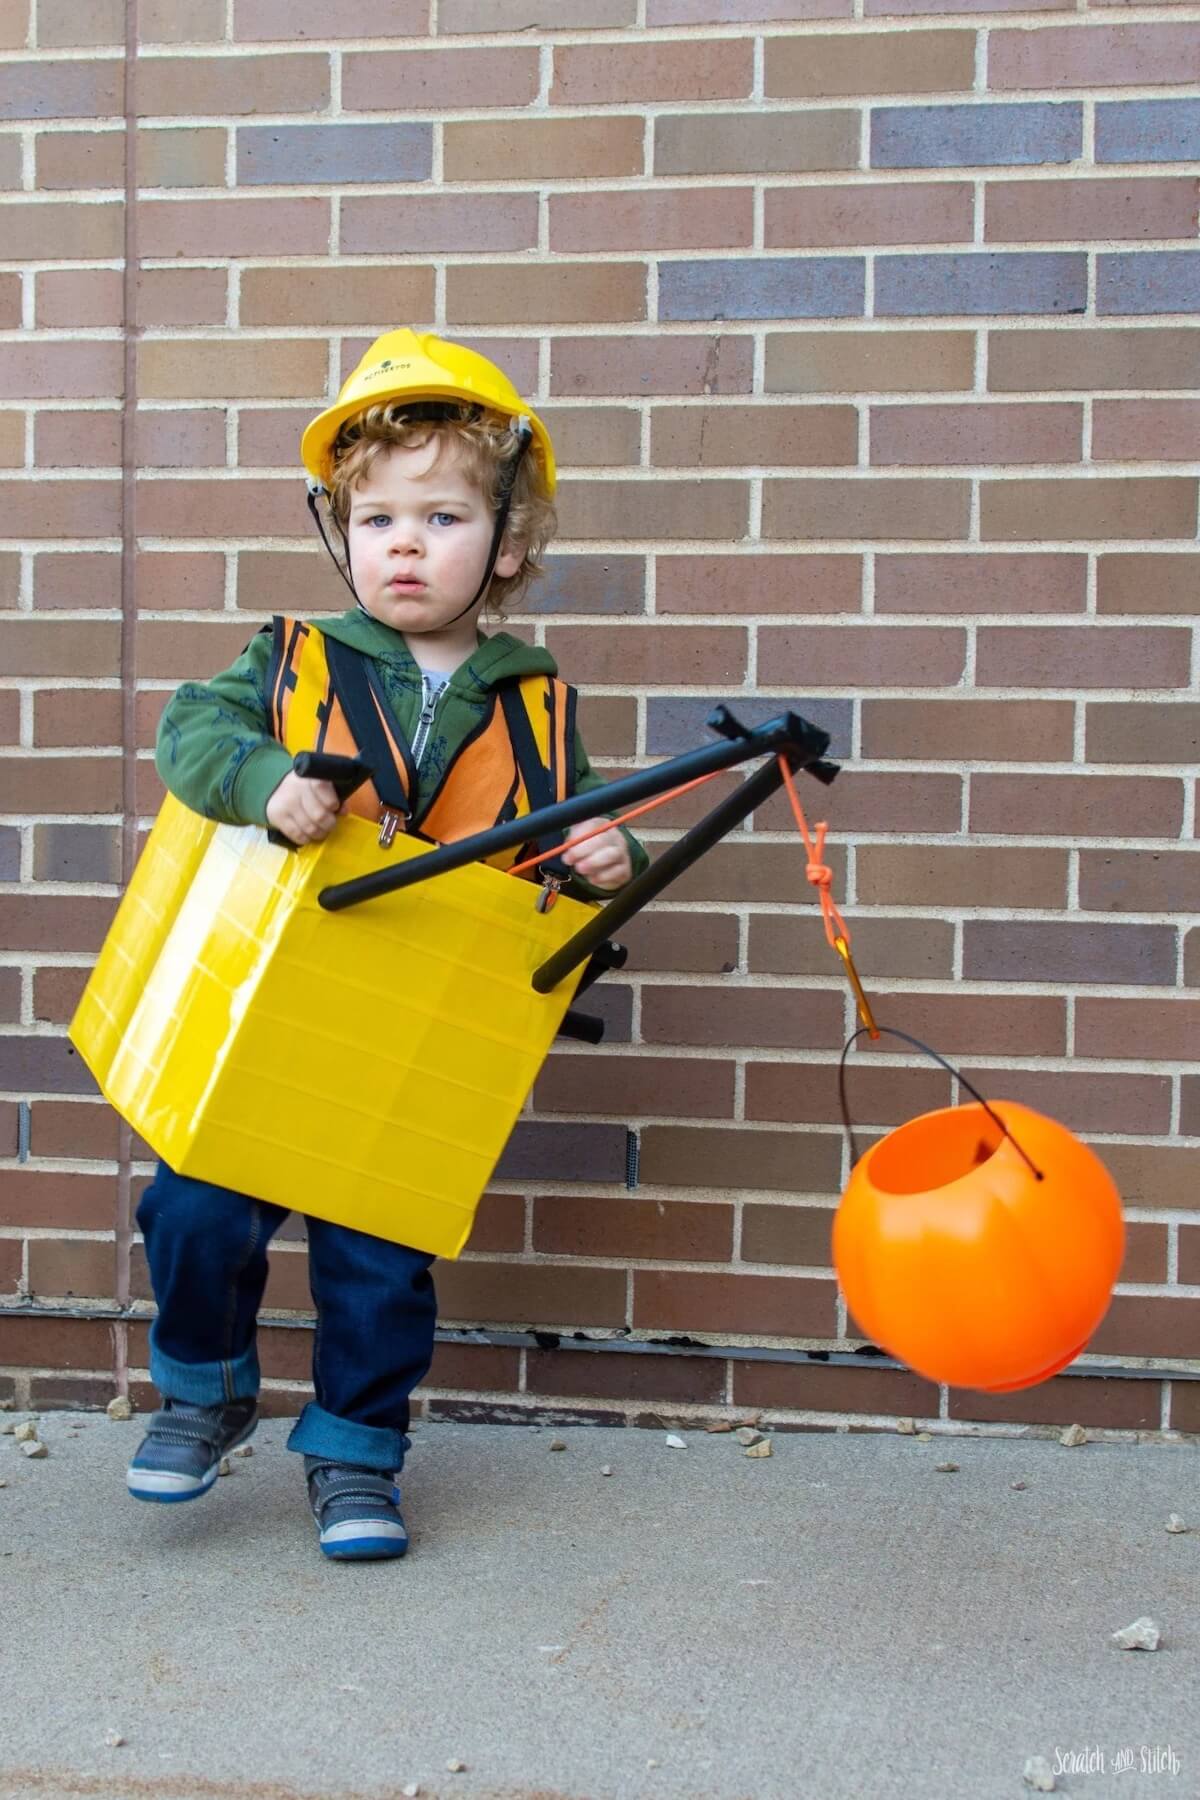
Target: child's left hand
604	860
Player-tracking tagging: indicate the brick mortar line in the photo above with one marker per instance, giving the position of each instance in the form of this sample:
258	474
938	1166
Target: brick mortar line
609	37
863	839
790	325
616	1263
774	181
769	106
670	474
1136	1215
774	1055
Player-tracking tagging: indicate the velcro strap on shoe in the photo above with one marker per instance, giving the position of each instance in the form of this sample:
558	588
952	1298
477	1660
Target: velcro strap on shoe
351	1486
186	1428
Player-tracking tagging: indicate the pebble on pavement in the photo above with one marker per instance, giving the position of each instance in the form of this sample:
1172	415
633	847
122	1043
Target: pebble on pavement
1143	1634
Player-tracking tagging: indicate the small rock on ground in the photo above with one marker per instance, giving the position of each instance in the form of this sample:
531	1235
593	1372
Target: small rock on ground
746	1434
226	1467
674	1441
26	1432
762	1448
1073	1436
456	1766
906	1427
119	1408
32	1447
606	1468
947	1468
1175	1523
557	1444
1143	1634
113	1739
1038	1775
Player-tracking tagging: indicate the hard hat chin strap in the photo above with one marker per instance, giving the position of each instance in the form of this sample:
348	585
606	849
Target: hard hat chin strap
315	490
508	480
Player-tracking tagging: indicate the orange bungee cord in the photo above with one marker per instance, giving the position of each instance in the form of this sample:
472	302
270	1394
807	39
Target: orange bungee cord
819	873
971	1260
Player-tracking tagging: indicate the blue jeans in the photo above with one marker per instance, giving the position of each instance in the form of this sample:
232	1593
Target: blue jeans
376	1312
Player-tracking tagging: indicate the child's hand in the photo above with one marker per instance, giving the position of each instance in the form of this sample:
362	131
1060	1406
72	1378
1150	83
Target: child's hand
603	860
304	811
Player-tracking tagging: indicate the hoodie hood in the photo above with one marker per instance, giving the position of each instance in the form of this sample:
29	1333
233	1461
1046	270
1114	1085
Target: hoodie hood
494	659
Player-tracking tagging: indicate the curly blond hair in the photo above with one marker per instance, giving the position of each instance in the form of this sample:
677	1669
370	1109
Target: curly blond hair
483	443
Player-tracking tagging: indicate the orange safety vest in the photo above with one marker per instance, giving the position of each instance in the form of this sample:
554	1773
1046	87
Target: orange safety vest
324	695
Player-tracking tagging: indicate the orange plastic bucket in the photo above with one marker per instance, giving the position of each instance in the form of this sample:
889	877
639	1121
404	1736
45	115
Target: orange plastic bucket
969	1264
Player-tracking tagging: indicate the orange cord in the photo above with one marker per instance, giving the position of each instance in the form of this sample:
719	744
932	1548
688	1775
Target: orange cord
819	873
611	824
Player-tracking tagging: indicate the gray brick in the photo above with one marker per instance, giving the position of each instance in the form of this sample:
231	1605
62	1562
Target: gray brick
307	154
673	725
76	853
42	1065
981	282
10	853
974	136
1147	131
783	287
540	1151
1029	950
1154	281
588	584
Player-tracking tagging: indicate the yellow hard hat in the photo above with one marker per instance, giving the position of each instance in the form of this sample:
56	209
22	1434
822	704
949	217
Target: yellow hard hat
418	366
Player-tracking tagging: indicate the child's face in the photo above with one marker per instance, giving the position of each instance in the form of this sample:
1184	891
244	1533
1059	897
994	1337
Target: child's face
419	532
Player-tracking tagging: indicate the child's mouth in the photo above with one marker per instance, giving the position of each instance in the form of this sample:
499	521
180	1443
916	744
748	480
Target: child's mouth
407	587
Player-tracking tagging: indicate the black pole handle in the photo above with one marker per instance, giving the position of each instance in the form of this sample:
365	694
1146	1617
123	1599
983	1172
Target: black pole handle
345	772
891	1031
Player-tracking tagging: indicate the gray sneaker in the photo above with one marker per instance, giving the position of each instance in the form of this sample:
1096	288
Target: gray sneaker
181	1453
357	1511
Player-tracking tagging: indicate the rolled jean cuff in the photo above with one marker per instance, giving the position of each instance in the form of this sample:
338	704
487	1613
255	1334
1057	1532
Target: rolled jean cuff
320	1433
203	1383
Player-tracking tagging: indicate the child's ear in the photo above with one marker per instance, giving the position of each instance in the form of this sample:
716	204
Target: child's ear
511	556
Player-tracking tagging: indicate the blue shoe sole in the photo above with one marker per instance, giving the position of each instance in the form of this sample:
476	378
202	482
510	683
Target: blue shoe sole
169	1499
364	1549
207	1481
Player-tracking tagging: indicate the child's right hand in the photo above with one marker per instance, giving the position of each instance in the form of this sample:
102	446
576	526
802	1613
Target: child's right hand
304	811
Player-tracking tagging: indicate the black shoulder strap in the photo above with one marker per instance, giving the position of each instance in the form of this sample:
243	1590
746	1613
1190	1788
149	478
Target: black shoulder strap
568	739
534	773
356	686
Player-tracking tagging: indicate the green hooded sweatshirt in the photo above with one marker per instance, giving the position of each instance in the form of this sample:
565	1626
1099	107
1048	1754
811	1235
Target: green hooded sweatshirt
216	751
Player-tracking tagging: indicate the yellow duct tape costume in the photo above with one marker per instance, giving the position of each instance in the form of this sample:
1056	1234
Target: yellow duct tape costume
366	1067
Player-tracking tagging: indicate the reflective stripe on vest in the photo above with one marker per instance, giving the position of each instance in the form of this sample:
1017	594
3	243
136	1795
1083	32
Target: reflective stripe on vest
481	786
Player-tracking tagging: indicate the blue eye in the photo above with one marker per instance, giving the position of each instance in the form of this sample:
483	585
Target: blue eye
379	519
445	518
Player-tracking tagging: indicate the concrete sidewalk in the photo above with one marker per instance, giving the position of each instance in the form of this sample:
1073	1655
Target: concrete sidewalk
839	1620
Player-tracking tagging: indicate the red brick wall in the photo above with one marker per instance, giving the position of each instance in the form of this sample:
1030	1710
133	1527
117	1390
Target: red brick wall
864	330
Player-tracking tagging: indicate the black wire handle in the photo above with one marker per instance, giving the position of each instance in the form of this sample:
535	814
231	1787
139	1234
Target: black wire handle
891	1031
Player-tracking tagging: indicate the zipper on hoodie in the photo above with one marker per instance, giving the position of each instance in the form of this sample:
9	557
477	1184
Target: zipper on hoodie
429	705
